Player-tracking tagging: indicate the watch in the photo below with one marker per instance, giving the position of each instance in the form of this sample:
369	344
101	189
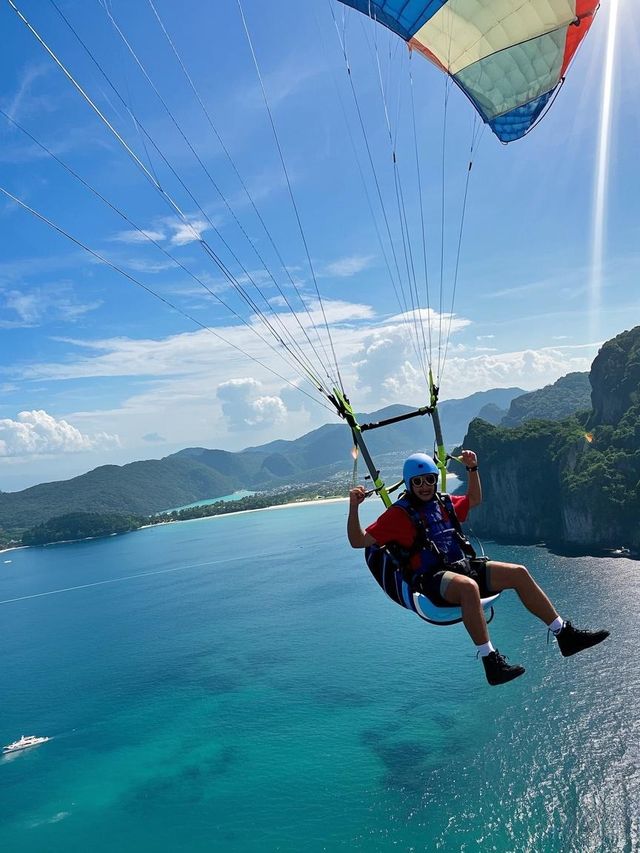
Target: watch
472	468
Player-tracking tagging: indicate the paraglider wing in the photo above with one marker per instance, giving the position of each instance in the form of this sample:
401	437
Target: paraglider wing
508	56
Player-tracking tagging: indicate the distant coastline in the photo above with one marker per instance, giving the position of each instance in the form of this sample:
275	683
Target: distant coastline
294	503
553	547
306	502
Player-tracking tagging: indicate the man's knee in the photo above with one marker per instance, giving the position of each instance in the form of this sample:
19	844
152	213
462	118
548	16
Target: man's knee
518	576
462	590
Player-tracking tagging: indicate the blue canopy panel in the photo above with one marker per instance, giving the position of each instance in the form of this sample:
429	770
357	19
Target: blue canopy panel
516	123
403	17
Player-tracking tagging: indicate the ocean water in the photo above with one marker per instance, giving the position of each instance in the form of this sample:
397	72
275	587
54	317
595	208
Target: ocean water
240	683
235	496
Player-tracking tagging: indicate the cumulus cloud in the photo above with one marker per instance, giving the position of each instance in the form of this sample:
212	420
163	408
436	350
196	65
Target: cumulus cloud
528	369
36	433
387	368
245	407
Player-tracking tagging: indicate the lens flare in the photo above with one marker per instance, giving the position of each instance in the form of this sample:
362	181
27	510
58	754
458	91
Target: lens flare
602	173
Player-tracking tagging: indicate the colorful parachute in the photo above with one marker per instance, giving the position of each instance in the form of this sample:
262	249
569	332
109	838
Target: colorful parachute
507	56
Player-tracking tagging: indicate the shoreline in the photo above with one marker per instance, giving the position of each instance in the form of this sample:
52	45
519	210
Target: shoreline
560	549
310	502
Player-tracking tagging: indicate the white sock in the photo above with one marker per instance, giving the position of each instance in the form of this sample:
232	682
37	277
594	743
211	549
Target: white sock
556	626
485	649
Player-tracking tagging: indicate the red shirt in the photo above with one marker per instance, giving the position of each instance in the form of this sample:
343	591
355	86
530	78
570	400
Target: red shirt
394	525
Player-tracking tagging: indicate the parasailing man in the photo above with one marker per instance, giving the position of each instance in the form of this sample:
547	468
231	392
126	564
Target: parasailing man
421	534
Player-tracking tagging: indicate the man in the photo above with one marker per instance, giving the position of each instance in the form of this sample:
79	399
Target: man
423	528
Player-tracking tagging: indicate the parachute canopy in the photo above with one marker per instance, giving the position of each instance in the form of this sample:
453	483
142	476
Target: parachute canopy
507	56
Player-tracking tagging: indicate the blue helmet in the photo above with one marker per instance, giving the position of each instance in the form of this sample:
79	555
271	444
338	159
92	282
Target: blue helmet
415	465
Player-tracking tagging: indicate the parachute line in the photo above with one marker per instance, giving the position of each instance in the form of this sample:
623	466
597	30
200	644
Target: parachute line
283	330
306	372
476	138
422	219
242	184
402	215
149	290
356	154
167	197
291	196
371	162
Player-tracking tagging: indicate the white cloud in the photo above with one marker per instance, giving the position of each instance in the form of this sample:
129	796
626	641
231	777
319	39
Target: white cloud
149	267
23	101
142	236
345	267
528	369
204	354
282	83
245	407
194	389
43	305
188	232
36	433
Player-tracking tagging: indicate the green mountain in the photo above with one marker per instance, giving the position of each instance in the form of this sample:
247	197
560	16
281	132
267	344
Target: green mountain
193	474
570	394
574	483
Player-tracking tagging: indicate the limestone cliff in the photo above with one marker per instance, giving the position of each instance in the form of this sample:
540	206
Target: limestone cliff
573	483
615	378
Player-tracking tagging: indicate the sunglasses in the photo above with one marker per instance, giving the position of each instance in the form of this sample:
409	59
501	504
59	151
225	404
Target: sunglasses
427	479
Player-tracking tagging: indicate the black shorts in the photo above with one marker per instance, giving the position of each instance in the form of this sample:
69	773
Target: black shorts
434	585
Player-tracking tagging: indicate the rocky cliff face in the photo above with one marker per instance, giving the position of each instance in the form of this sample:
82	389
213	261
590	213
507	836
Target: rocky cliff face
573	483
615	378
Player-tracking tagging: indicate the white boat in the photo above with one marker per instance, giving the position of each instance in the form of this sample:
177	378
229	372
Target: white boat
24	743
620	552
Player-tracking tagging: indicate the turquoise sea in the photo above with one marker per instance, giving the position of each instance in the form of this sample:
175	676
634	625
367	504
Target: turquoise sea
235	496
241	684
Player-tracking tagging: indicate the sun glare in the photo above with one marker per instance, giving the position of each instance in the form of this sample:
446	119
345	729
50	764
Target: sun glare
602	174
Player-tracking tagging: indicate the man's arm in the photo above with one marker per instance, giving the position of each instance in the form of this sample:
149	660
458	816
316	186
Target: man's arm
474	487
355	534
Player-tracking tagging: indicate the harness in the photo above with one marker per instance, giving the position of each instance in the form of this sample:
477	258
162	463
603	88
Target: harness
434	522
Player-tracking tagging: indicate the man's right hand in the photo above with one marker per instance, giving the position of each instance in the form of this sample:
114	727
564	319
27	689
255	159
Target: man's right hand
357	495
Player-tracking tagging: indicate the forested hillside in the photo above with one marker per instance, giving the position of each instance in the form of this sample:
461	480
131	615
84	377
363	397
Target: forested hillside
576	481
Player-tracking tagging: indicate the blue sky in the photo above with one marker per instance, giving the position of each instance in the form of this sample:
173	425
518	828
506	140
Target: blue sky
95	370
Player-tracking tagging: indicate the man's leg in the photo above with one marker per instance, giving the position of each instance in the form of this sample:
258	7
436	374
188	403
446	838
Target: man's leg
464	592
512	576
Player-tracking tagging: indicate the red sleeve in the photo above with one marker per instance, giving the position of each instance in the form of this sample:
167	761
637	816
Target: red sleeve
393	525
461	506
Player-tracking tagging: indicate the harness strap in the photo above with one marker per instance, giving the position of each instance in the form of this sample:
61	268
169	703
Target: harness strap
422	540
467	548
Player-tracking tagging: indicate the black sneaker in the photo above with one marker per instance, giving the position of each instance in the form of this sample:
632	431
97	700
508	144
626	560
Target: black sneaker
572	640
498	671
